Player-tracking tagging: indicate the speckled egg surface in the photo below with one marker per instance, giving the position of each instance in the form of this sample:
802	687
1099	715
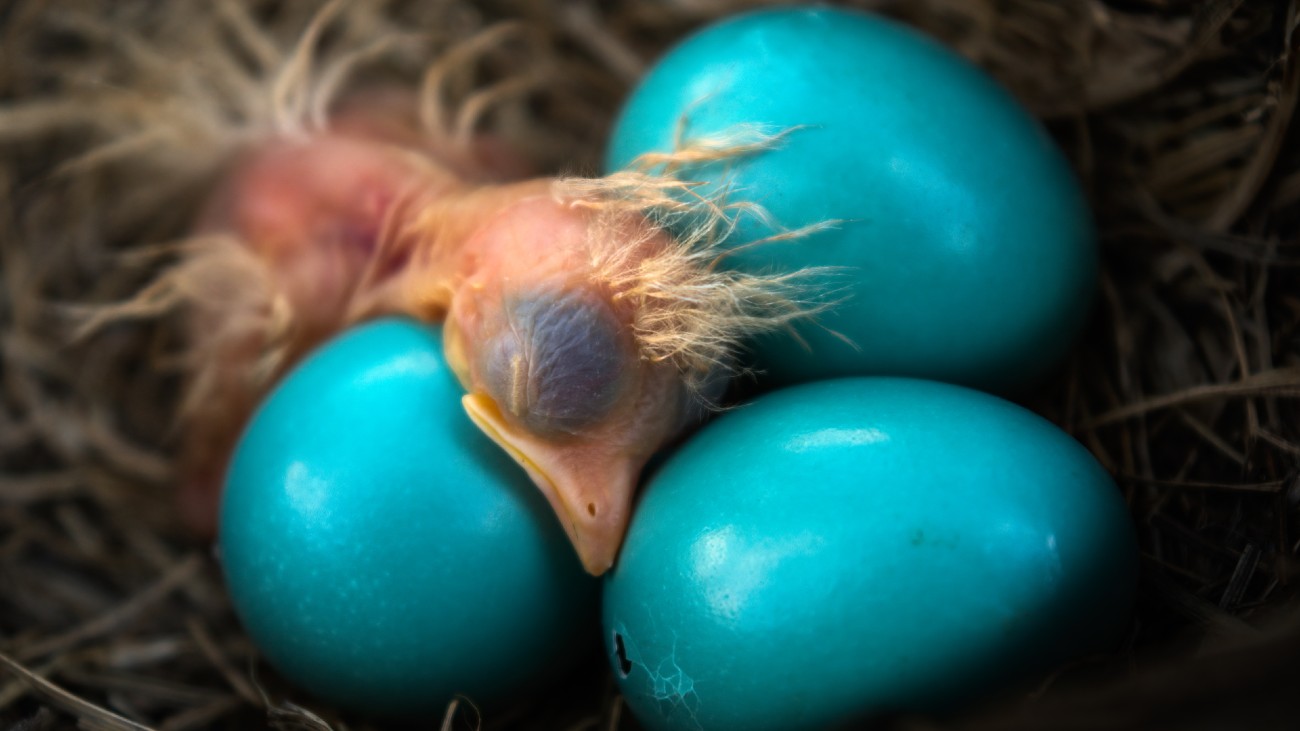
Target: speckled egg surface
968	248
861	546
380	551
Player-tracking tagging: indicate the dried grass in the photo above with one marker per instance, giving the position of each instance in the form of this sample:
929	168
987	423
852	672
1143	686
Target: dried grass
1176	113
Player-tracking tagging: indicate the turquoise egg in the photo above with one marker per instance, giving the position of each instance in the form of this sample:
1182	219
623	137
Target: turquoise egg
864	546
383	553
966	248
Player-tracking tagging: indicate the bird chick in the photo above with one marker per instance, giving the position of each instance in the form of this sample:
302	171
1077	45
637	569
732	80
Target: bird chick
588	320
586	335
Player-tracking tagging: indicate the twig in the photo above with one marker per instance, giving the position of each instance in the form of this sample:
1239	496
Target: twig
120	614
1276	382
91	716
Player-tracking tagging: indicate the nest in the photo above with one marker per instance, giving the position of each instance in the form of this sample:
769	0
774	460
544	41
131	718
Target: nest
1175	113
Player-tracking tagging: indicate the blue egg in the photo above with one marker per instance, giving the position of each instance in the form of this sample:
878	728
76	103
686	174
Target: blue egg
382	552
863	546
967	250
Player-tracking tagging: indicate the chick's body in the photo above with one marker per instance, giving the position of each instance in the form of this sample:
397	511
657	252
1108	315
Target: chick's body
364	220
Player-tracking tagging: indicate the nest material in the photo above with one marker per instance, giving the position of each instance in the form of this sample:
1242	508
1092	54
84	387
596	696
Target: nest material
1175	113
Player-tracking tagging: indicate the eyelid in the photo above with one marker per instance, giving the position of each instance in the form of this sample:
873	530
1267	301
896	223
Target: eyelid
560	365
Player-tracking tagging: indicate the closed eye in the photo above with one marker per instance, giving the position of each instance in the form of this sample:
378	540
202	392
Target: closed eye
561	364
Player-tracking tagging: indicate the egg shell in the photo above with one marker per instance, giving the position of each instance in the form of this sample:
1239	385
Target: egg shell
862	546
383	553
967	248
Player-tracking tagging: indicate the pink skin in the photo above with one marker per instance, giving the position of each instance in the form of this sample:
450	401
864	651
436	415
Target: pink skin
315	210
311	211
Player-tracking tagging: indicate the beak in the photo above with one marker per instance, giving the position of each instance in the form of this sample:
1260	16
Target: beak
589	486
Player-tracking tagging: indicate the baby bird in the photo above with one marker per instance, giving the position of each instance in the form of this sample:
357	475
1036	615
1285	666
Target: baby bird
586	336
589	320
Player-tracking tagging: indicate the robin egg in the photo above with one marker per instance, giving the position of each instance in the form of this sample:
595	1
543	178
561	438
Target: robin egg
380	550
961	247
857	547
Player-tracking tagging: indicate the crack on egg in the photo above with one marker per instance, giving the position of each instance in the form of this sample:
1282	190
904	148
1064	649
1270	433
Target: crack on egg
671	687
